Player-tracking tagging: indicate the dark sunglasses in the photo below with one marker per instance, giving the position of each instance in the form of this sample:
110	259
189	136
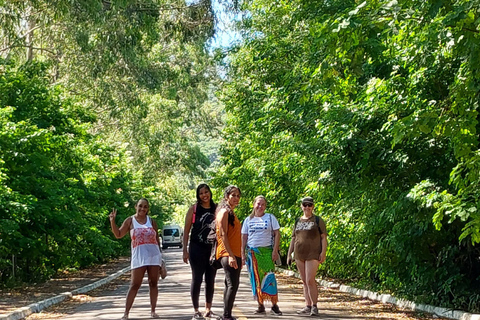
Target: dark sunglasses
307	204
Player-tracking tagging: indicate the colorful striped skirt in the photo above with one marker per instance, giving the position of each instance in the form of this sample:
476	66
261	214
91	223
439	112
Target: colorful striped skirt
262	277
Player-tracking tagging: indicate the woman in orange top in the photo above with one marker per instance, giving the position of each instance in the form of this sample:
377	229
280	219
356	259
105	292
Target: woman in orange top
229	247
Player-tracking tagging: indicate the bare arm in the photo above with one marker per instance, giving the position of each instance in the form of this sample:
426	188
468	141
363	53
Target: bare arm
155	227
222	223
323	254
124	228
244	246
290	250
276	244
186	233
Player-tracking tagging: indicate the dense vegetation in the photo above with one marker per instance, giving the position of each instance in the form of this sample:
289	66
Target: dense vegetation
371	108
101	103
57	180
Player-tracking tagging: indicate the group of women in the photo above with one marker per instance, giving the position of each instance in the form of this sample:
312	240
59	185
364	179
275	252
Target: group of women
255	243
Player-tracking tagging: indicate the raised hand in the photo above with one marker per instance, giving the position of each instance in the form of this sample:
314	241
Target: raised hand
113	214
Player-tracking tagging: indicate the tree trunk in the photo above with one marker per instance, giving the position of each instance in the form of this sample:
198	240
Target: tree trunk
29	37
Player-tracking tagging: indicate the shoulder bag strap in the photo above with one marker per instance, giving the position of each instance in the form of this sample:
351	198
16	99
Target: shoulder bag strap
194	212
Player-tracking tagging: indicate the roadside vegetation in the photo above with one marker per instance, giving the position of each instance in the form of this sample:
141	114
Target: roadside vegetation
369	107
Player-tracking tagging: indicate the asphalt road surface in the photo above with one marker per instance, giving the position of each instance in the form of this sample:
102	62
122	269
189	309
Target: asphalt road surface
174	300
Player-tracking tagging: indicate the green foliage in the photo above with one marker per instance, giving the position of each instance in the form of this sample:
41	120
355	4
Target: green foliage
59	181
372	108
140	66
102	103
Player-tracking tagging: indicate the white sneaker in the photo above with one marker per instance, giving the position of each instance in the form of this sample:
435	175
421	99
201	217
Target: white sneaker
305	310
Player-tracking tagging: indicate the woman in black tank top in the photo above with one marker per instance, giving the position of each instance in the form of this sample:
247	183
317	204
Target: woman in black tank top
200	230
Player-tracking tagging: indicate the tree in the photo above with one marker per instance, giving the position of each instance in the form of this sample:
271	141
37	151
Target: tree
142	66
371	108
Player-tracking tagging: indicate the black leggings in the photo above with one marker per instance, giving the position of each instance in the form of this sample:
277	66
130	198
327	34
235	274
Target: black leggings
232	280
199	256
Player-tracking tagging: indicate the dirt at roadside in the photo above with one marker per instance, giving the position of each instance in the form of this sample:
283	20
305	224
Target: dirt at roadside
12	299
346	303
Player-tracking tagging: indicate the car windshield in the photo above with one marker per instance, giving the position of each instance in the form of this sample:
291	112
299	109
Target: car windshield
171	232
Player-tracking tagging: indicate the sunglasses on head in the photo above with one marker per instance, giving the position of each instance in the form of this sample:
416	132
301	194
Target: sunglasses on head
307	204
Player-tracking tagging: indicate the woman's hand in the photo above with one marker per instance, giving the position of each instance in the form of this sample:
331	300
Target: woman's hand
323	257
274	255
185	256
232	262
113	214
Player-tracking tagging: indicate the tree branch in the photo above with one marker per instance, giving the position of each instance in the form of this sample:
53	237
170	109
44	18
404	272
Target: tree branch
471	30
149	8
25	46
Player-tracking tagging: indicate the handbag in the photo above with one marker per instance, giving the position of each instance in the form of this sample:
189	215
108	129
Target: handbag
163	270
214	262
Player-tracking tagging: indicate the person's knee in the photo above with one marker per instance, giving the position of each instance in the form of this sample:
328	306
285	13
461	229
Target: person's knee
152	283
311	282
197	278
135	286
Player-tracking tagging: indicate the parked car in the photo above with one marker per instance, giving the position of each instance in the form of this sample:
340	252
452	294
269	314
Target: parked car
172	236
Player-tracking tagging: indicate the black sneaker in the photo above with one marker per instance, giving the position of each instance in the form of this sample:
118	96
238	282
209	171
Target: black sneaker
276	310
260	310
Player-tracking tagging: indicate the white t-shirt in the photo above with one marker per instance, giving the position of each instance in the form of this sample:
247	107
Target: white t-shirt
260	230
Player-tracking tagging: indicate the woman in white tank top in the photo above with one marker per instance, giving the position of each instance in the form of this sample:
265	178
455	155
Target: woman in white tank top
146	254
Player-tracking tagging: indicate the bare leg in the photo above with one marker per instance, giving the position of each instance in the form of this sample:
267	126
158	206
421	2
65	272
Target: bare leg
135	283
153	274
208	307
301	269
311	267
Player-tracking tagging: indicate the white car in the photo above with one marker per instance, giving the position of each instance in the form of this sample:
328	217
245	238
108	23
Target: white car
172	236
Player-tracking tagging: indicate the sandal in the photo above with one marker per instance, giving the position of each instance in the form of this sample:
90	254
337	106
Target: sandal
125	317
153	315
210	314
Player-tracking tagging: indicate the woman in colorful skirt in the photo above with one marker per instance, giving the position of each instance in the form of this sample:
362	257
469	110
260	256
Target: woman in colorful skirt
260	242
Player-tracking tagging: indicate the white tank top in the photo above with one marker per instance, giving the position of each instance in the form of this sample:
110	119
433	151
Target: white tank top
145	249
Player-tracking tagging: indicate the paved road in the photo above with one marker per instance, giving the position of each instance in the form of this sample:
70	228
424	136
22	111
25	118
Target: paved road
174	299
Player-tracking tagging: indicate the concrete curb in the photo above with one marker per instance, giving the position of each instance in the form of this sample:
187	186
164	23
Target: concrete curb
386	298
24	312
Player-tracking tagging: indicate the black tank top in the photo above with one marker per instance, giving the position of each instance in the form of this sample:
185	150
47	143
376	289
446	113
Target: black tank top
203	229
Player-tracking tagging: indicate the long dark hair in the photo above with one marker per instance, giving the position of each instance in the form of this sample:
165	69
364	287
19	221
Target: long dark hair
200	187
224	203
